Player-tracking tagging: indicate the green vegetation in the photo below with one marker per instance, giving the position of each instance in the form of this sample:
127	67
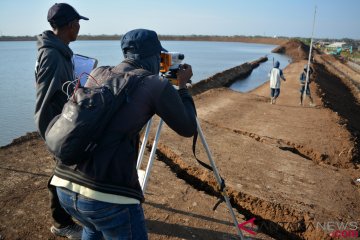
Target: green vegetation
356	54
237	38
355	57
17	38
306	41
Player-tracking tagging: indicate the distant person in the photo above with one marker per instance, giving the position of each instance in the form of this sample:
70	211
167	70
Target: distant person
276	74
103	192
302	86
53	68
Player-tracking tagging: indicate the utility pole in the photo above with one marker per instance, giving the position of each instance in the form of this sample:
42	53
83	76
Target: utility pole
308	64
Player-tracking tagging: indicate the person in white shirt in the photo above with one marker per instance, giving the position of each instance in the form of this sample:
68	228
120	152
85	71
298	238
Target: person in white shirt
276	74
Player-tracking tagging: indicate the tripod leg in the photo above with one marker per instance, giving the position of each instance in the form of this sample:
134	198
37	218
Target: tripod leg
143	145
152	155
216	173
218	178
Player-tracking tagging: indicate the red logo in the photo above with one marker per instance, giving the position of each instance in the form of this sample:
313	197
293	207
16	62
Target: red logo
241	226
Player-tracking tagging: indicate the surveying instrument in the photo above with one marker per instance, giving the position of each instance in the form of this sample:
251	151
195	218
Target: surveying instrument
144	175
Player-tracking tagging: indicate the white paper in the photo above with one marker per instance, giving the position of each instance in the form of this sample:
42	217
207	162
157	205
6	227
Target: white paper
83	66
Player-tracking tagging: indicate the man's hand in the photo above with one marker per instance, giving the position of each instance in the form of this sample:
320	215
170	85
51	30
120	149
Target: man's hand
184	74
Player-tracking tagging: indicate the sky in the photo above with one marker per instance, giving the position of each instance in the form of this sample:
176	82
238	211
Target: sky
290	18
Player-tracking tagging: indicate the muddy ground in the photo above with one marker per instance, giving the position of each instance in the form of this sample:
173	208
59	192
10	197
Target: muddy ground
293	168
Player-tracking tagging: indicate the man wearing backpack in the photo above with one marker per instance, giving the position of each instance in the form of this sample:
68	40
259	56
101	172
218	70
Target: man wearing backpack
53	68
103	192
302	86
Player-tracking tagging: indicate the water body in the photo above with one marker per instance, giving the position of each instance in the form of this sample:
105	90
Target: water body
261	74
17	63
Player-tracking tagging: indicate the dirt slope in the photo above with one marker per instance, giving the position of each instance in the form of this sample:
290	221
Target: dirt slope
295	49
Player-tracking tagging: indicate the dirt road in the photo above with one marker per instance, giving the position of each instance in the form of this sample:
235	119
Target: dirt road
283	162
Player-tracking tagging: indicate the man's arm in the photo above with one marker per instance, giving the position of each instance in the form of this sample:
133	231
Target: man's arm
282	75
177	108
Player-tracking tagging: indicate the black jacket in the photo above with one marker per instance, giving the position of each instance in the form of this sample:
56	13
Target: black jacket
53	68
112	168
303	76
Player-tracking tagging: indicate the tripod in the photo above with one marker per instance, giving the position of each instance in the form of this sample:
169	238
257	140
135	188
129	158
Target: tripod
144	175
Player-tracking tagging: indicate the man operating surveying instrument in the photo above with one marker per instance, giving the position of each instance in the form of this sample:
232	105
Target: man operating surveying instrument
103	191
169	67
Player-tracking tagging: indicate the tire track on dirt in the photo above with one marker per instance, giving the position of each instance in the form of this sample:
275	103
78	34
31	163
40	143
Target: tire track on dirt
285	145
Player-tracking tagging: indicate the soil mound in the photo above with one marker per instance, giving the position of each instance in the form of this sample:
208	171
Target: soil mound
295	49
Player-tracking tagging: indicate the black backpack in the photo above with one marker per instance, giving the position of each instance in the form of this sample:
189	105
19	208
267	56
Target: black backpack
76	132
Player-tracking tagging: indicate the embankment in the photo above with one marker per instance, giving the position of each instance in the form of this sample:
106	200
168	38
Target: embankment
339	88
227	77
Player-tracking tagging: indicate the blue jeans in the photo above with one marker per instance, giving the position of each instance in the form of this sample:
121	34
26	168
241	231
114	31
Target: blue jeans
302	89
102	219
275	92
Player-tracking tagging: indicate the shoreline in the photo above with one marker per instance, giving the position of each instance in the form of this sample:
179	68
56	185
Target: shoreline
244	39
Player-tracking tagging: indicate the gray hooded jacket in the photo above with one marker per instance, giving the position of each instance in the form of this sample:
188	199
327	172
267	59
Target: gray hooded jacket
53	68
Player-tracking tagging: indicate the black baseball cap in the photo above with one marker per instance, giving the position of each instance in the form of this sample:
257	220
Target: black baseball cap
141	43
62	13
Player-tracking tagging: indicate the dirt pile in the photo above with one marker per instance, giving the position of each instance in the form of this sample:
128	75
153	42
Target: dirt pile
295	49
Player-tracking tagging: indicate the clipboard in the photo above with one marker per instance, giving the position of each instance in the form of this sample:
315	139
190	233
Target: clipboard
82	65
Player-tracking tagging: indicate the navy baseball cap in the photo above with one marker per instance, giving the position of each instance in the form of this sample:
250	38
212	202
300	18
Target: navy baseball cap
141	43
62	13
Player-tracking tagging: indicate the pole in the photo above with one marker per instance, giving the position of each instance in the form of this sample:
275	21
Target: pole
218	179
308	65
143	145
152	155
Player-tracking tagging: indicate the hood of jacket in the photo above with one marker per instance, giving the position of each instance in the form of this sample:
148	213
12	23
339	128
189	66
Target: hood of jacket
49	40
277	64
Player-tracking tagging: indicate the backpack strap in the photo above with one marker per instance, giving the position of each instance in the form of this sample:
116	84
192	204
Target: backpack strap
141	73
